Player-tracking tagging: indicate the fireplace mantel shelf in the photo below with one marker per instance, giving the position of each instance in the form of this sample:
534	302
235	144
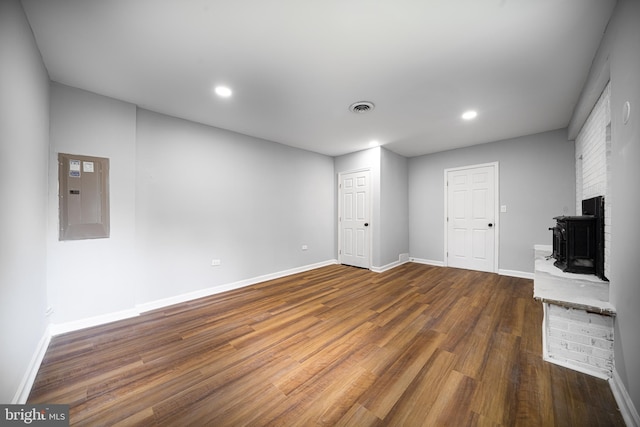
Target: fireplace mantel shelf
582	291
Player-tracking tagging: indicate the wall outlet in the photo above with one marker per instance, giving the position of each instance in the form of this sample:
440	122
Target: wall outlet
215	262
305	247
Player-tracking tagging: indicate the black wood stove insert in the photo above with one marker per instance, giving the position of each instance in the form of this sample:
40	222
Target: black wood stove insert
578	241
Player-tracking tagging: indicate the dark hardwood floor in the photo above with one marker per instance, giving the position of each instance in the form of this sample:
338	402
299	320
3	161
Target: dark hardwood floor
415	346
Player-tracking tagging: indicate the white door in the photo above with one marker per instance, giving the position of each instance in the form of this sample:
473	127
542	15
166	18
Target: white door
354	218
471	217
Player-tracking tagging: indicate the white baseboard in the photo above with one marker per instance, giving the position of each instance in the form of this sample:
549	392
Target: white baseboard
154	305
57	329
627	409
22	394
502	272
402	259
61	328
76	325
427	262
516	273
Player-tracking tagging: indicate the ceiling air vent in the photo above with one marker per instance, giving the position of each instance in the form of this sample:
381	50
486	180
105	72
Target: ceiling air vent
361	107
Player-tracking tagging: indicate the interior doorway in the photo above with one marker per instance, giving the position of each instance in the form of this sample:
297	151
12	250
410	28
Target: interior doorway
354	218
471	219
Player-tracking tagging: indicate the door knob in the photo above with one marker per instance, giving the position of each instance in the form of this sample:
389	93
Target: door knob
490	224
366	224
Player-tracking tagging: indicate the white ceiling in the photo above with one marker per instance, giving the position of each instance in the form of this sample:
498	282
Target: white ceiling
295	66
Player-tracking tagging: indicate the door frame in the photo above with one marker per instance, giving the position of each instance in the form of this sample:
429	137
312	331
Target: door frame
369	208
496	207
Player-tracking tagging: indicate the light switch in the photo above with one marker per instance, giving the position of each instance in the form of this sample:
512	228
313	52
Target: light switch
503	208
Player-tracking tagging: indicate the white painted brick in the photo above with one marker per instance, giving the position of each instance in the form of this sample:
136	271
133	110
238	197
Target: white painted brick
599	356
568	355
601	343
582	361
600	363
556	343
558	315
588	368
558	323
591	331
579	348
578	315
602	354
593	160
559	311
556	309
601	320
577	338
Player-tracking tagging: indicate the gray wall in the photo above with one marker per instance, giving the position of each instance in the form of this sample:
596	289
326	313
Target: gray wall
231	198
389	193
88	278
205	193
537	182
394	206
365	159
24	137
181	194
618	58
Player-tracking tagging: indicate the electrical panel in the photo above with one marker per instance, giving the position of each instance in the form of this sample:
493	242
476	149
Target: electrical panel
83	185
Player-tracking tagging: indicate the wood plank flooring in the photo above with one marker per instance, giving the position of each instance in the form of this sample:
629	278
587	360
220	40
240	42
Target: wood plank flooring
415	346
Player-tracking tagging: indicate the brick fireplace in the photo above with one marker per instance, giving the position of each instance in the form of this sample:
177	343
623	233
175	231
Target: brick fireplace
577	327
578	323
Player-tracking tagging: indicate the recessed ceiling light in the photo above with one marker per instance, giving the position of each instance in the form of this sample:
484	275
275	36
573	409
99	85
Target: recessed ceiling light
469	115
373	143
223	91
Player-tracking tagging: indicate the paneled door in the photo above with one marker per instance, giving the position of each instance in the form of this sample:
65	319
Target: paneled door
354	218
471	217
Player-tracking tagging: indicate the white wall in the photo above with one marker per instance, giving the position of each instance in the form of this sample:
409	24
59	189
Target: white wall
24	137
205	193
618	60
537	182
88	278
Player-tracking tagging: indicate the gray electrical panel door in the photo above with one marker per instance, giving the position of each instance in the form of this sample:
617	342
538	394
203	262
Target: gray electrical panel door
83	197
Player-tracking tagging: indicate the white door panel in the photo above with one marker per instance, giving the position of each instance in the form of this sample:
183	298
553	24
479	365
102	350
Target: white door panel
470	218
354	219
